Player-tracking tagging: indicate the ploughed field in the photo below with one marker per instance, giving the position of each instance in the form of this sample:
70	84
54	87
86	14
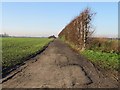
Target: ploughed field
16	50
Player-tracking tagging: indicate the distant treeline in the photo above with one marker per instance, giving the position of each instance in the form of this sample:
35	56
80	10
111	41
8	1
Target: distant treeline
7	35
4	35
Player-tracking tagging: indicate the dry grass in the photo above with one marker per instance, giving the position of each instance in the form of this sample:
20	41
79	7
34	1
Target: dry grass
104	45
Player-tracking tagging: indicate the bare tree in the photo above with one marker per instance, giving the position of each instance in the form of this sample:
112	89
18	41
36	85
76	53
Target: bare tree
79	29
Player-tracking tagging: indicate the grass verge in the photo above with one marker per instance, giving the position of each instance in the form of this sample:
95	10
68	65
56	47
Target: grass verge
102	59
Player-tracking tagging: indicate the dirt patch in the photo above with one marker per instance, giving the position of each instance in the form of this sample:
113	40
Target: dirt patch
58	67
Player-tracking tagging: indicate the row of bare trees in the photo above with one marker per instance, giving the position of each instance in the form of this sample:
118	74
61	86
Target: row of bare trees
78	30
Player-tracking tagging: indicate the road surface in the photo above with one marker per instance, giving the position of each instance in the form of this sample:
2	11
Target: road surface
58	66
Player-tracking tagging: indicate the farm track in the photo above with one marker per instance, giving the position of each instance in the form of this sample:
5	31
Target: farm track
58	66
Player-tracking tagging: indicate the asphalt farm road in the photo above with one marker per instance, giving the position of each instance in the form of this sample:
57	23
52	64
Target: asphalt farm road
58	66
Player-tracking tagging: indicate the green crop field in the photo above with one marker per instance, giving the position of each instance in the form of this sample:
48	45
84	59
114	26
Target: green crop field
16	50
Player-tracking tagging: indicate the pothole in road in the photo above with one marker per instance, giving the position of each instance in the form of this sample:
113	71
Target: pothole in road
76	74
